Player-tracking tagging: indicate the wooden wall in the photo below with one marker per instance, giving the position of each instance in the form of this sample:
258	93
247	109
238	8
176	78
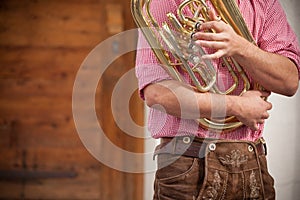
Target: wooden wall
42	45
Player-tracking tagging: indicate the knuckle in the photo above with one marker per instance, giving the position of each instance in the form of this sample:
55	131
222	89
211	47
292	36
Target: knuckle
211	37
254	127
267	115
270	106
261	121
214	23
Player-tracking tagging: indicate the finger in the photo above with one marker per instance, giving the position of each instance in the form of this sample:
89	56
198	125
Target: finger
261	121
254	127
216	55
207	36
270	106
215	25
265	93
265	115
252	93
213	16
259	93
211	44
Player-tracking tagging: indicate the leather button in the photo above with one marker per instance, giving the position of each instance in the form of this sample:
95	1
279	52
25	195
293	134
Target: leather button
212	146
186	140
250	148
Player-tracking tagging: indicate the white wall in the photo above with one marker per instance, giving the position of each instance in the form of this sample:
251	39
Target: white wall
281	133
282	130
150	163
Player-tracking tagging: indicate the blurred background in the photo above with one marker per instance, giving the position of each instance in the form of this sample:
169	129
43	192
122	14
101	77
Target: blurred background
282	129
42	46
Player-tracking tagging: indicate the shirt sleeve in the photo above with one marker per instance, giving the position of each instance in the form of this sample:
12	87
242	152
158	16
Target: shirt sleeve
277	35
148	68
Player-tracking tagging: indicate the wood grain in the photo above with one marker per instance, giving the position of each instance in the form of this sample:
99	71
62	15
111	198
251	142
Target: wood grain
42	46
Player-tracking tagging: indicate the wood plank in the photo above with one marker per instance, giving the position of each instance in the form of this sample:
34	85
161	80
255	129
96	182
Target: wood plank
41	63
54	16
132	182
41	104
26	88
55	64
39	132
11	190
85	186
43	45
47	159
49	23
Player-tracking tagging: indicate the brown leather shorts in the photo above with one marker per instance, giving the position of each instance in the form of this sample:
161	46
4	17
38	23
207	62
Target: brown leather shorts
212	169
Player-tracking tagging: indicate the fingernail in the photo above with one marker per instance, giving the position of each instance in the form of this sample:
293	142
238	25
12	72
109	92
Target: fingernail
197	26
193	36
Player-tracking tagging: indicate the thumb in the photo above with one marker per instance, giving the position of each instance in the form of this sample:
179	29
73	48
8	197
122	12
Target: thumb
213	16
265	94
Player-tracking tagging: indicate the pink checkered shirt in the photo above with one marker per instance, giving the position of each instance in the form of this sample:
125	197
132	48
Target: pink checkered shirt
266	21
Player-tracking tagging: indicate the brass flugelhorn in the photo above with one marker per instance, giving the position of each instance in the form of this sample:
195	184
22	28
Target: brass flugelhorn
172	44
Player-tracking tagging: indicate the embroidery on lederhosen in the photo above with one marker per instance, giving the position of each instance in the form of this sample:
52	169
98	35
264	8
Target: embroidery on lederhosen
212	191
235	158
254	186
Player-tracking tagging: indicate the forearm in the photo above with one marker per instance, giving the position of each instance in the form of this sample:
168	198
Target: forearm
182	101
274	72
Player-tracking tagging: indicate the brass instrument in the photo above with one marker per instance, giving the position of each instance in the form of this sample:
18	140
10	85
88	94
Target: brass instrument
188	56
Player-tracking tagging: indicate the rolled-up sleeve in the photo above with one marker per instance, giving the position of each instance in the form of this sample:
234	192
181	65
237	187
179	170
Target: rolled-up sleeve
277	35
148	69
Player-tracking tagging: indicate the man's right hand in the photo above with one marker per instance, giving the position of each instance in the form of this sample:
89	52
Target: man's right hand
251	108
